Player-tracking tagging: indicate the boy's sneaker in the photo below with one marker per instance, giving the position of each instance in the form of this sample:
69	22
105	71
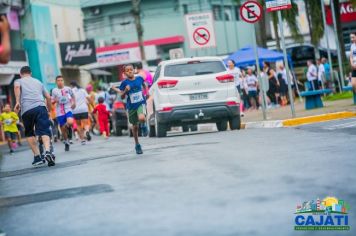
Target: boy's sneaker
138	149
49	159
38	161
66	146
83	142
87	134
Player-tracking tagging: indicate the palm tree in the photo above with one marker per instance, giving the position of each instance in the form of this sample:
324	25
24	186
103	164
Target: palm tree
315	20
290	17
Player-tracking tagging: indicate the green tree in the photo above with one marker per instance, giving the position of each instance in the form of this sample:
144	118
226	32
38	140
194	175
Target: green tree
315	20
290	16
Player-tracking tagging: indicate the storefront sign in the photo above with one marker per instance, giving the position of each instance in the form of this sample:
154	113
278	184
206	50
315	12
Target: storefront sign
78	53
347	13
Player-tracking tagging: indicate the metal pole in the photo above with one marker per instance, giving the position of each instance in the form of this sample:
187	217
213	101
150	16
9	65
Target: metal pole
327	40
225	29
286	64
338	46
259	72
235	26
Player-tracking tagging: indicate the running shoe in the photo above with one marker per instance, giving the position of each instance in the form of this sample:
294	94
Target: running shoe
83	142
11	151
38	161
88	135
138	149
66	146
49	159
70	141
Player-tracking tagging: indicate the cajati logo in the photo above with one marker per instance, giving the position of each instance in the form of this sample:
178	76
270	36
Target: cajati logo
327	214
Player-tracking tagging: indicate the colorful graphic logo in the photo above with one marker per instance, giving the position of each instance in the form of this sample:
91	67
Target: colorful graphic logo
327	214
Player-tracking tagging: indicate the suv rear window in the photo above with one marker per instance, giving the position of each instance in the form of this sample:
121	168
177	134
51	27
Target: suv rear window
194	68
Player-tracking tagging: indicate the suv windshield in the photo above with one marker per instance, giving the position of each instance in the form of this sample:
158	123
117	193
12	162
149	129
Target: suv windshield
194	68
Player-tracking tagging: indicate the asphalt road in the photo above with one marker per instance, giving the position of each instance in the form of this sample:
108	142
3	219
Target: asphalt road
244	182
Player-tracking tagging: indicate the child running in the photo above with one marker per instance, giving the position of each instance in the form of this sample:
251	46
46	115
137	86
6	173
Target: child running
103	117
64	99
9	120
133	87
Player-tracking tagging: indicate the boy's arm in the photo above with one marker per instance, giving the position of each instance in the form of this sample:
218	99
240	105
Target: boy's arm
17	91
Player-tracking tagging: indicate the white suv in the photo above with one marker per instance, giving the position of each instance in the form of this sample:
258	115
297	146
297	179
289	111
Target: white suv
190	91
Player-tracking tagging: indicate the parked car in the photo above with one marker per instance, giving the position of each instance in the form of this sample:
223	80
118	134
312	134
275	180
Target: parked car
300	54
119	119
190	91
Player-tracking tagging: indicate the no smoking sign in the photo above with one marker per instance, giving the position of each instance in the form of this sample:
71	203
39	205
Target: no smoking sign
201	36
251	11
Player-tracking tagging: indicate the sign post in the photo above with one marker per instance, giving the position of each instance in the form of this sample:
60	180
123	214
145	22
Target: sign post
251	12
277	5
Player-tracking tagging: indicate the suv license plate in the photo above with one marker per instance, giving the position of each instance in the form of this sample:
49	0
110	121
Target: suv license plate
198	96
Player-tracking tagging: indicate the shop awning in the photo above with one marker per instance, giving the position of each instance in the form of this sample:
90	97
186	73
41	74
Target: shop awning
6	79
156	42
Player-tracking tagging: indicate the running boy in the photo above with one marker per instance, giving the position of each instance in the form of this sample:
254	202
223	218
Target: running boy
133	87
103	117
64	99
9	119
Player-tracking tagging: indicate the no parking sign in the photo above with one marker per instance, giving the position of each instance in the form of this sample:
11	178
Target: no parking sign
200	28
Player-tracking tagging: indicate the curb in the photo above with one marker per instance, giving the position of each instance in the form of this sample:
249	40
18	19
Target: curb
318	118
300	120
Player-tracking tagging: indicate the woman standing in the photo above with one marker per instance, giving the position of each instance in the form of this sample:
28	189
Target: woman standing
273	83
236	72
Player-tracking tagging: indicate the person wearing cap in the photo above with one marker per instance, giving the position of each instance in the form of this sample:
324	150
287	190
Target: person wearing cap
30	94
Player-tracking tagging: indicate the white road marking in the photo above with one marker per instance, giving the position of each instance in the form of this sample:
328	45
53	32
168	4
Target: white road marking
341	126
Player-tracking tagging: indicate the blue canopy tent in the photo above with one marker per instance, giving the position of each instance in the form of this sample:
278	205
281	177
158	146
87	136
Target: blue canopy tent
246	56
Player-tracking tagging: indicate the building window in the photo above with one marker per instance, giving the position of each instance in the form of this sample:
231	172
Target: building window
237	13
217	12
122	22
56	30
228	13
94	27
185	8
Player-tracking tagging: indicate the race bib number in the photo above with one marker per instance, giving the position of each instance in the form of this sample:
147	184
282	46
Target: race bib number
8	121
136	97
63	100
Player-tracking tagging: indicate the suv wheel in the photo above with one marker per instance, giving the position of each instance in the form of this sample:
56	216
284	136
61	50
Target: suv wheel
161	129
118	131
235	122
152	132
193	128
222	125
185	128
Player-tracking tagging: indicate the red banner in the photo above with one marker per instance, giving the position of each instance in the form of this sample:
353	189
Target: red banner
347	13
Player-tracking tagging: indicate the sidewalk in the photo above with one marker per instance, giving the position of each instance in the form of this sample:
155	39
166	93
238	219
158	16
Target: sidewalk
283	113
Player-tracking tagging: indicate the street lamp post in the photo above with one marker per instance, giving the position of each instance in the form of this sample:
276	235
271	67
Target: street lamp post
327	40
337	46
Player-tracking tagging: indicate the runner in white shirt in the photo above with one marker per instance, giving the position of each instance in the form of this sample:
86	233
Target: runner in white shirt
236	72
80	113
252	82
312	75
353	60
64	99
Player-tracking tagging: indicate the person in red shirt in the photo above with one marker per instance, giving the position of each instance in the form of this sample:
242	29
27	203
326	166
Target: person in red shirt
103	117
